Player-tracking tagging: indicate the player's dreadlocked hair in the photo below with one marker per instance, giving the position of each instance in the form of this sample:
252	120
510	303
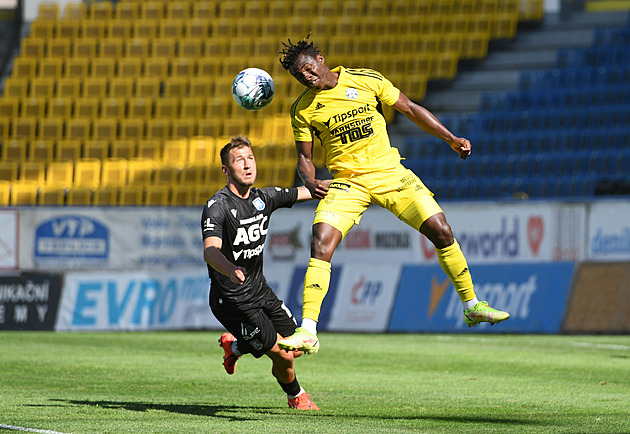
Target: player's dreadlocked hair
236	142
292	51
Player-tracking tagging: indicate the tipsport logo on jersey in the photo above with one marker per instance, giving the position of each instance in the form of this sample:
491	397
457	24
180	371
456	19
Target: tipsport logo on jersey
351	129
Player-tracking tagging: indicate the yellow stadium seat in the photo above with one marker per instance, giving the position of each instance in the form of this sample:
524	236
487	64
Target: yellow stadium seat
68	149
24	128
123	148
114	172
215	48
156	195
146	29
171	29
192	175
68	29
68	88
50	67
201	150
91	29
51	196
44	29
234	126
219	107
273	27
77	67
85	48
183	67
131	195
127	11
210	127
60	173
79	196
176	87
16	87
121	87
141	170
9	107
140	108
166	173
158	129
111	47
204	10
503	25
113	107
136	50
150	148
152	10
75	10
43	87
148	87
96	148
132	129
102	67
166	108
192	108
163	47
33	47
209	67
42	149
5	192
156	67
87	172
198	28
101	11
201	194
475	45
247	27
200	86
9	170
175	151
33	107
78	129
60	107
51	129
33	171
14	149
24	193
184	128
87	108
25	67
182	195
178	10
106	196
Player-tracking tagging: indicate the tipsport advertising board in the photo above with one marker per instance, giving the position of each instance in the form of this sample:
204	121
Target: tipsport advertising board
534	294
134	301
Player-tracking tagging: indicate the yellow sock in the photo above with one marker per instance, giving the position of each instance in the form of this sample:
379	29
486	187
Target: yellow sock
455	266
316	282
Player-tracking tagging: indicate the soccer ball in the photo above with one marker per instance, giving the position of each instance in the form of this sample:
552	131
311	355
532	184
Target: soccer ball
253	89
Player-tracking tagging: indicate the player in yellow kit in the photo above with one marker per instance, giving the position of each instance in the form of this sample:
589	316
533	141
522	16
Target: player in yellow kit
339	106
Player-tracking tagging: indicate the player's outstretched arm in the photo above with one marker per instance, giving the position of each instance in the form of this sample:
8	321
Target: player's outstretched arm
429	123
217	260
306	170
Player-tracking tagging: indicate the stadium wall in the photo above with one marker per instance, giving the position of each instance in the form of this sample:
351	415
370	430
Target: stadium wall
557	267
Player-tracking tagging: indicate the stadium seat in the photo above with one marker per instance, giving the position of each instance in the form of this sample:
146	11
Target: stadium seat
87	173
176	150
182	195
50	67
68	149
166	173
106	196
60	174
201	151
51	196
43	149
156	195
24	193
101	11
33	171
79	196
96	148
114	172
33	107
158	129
150	148
123	148
131	195
141	170
5	192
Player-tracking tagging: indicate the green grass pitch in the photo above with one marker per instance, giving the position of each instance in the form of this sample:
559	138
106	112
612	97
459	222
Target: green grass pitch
173	382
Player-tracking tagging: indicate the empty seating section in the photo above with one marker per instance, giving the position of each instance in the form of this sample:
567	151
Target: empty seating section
104	82
564	133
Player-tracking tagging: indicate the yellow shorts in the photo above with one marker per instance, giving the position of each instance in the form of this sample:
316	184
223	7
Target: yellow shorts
398	190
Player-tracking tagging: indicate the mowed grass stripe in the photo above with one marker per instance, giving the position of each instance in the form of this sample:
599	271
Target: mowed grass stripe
363	383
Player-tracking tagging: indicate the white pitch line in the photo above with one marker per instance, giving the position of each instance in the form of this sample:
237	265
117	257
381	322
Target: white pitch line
602	346
21	428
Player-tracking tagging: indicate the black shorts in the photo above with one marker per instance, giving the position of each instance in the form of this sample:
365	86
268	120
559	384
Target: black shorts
256	327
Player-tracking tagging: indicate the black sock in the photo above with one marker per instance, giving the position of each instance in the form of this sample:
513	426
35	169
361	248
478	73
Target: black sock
292	388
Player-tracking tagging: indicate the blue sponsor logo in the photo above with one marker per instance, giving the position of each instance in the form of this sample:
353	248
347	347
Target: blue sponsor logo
71	240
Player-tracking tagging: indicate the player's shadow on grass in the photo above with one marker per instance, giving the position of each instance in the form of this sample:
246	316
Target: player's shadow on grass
229	412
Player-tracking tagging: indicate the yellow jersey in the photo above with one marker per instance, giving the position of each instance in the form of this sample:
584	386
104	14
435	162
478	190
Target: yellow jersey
344	118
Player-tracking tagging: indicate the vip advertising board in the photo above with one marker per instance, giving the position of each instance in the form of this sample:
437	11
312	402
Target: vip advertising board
534	294
133	301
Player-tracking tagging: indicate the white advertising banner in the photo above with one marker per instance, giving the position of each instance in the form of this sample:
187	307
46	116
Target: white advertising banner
8	240
609	231
364	299
101	301
113	238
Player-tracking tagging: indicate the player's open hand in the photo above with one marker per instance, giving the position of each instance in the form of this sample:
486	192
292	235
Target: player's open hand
462	146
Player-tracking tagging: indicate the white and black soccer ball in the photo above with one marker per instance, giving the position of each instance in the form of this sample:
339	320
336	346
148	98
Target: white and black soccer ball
253	89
